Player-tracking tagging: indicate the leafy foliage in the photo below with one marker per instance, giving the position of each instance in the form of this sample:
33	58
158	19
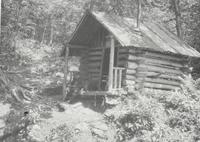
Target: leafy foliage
154	116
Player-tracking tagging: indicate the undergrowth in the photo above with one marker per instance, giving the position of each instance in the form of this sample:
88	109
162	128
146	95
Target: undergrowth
157	116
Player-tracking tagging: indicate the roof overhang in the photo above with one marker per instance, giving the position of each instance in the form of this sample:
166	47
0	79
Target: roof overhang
150	35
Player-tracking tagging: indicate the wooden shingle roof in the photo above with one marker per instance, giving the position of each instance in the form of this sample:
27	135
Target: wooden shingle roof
149	35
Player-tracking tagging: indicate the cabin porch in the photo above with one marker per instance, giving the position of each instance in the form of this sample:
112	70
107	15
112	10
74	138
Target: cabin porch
100	69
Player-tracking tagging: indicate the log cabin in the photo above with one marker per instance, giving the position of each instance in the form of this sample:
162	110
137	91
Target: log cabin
116	54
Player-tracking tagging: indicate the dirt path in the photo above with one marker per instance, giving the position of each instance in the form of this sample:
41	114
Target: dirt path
78	124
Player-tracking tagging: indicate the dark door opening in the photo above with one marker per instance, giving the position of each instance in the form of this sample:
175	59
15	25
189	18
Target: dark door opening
105	69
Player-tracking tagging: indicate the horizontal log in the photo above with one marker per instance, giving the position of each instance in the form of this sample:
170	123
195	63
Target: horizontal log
159	69
157	75
122	50
84	57
161	65
132	58
94	74
94	71
130	71
95	48
121	53
95	78
95	53
159	55
159	81
160	86
94	58
130	77
94	68
129	82
141	70
166	57
132	65
94	65
78	46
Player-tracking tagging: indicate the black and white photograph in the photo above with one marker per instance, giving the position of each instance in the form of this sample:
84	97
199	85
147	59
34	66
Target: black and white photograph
99	70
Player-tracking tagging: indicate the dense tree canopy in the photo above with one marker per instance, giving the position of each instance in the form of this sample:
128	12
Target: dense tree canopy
53	21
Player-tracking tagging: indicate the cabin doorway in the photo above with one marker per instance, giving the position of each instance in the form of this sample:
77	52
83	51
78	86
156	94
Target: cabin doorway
105	69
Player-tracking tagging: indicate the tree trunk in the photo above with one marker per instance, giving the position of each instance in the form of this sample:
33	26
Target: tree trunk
138	13
177	12
65	74
91	5
51	38
43	34
0	24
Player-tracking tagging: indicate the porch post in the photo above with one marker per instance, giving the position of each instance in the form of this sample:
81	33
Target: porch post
111	64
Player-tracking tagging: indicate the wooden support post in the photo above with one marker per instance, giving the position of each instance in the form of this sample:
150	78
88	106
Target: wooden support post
111	64
65	73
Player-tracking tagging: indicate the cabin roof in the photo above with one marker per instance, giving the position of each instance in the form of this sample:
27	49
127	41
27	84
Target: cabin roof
149	35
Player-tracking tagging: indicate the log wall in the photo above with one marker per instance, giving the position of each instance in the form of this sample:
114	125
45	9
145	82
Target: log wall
145	69
94	63
83	68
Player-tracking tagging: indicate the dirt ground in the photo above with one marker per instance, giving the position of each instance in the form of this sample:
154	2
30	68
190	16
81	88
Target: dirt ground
77	123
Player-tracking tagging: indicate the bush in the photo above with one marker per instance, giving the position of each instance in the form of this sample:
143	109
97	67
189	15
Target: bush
155	116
